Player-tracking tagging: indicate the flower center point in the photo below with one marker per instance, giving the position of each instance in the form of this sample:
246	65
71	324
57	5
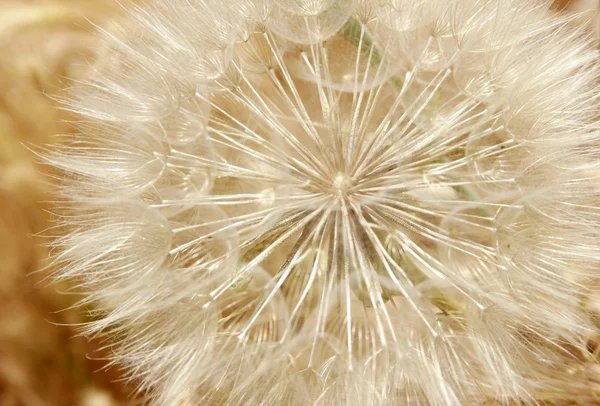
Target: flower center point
342	184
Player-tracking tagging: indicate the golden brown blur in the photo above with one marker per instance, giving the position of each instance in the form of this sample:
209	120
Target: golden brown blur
42	362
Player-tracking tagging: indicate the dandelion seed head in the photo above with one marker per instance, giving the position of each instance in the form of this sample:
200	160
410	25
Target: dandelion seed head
336	202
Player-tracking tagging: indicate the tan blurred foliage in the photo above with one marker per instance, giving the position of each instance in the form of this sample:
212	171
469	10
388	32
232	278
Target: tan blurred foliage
41	44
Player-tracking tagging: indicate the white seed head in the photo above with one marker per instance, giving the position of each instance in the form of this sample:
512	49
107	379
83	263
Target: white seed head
337	202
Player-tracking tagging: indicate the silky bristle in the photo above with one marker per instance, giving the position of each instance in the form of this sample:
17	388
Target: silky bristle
337	202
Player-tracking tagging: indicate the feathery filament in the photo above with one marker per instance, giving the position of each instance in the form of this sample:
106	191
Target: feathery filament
337	202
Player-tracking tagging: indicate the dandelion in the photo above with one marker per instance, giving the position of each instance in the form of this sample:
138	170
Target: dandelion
337	202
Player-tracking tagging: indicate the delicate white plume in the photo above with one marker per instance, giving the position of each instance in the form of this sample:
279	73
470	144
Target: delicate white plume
357	202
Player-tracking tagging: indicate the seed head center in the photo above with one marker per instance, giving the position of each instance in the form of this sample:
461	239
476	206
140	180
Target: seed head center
342	185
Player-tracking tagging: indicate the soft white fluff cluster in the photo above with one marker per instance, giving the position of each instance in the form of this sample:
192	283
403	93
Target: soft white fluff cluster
353	202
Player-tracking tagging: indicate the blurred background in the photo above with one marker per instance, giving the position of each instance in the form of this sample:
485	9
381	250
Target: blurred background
44	46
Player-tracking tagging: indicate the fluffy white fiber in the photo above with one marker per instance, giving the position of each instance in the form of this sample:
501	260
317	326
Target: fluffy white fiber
337	202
